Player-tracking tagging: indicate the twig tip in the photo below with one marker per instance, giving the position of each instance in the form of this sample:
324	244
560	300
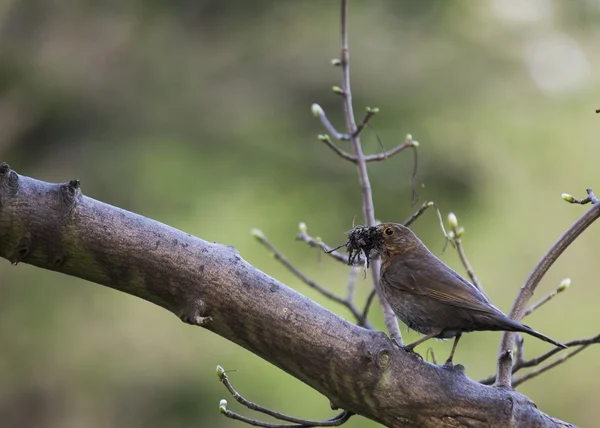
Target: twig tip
302	227
567	197
257	233
223	406
564	284
316	110
337	90
452	221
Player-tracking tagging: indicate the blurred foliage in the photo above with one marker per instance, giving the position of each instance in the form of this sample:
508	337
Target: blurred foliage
197	113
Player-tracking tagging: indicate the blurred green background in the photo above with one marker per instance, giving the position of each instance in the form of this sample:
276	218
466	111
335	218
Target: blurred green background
197	114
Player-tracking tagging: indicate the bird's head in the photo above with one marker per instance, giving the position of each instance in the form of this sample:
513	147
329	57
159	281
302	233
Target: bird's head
397	239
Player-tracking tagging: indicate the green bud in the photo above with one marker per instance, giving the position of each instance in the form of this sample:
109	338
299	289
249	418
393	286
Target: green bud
372	110
564	284
220	371
568	198
337	90
302	227
460	232
408	137
452	221
316	110
324	137
431	204
414	143
223	406
336	62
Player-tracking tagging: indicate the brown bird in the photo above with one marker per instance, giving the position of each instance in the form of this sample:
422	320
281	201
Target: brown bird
431	298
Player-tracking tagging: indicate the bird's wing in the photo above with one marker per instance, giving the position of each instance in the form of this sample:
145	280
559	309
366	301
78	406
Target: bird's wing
430	277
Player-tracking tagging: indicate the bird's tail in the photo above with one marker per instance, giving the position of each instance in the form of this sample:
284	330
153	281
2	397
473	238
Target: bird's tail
515	326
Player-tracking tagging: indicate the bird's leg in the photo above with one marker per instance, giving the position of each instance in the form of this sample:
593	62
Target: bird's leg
449	360
411	346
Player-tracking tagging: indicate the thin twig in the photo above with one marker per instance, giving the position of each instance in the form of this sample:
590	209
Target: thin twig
370	112
352	277
433	359
466	264
260	236
533	362
591	198
370	299
388	154
317	243
320	113
520	354
221	373
340	152
547	367
562	287
519	306
418	213
390	319
456	234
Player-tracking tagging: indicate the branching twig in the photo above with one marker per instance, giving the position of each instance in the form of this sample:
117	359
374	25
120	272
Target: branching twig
565	283
348	303
547	367
504	369
325	138
299	423
391	321
456	234
533	362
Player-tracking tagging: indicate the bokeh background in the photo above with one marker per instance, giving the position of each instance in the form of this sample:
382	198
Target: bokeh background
197	114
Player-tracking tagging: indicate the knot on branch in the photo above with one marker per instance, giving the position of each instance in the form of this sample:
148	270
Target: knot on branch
71	193
22	250
195	313
9	183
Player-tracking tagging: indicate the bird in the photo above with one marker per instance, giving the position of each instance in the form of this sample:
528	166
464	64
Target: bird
431	298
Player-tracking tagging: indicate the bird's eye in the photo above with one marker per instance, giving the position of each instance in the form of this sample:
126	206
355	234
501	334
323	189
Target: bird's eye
389	231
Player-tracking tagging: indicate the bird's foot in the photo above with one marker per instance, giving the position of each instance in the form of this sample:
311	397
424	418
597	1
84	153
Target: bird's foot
411	351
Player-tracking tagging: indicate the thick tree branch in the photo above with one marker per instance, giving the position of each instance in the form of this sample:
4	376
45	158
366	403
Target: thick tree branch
55	227
504	370
348	302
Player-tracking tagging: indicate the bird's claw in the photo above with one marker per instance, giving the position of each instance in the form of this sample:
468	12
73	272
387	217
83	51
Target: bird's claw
412	352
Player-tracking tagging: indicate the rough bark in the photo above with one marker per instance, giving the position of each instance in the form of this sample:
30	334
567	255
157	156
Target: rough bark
55	227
